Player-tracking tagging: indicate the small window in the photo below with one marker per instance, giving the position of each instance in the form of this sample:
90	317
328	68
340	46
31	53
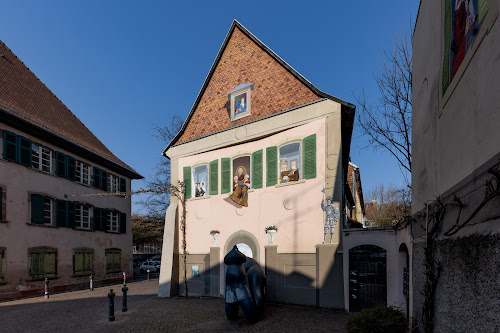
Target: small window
290	162
200	180
83	260
82	214
48	208
112	221
240	101
113	260
113	183
82	173
41	158
43	263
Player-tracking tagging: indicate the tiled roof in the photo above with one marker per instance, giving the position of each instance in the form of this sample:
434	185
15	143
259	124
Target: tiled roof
244	59
24	96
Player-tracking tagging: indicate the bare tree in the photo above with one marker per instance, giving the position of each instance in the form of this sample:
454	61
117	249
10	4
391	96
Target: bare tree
387	122
157	203
392	204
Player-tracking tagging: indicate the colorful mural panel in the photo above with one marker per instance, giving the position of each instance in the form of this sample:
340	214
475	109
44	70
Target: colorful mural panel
241	180
462	21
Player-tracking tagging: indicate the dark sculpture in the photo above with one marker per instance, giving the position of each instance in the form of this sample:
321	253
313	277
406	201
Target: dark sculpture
245	283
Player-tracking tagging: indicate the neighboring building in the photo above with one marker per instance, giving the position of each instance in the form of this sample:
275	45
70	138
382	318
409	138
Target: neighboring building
357	207
50	162
257	149
456	154
146	249
371	210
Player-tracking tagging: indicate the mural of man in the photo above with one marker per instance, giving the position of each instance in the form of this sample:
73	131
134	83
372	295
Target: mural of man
241	184
240	106
199	192
332	216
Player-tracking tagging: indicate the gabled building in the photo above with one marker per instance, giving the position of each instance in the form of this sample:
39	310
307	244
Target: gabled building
261	147
51	166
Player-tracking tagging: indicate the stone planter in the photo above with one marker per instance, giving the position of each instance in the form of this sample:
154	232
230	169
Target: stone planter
271	236
214	239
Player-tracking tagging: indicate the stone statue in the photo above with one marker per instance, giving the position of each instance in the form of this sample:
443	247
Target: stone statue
244	286
332	216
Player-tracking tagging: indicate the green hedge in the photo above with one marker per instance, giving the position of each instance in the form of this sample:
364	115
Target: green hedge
378	320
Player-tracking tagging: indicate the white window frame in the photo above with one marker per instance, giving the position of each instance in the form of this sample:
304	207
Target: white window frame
80	221
299	160
39	156
207	181
112	221
48	207
81	173
113	180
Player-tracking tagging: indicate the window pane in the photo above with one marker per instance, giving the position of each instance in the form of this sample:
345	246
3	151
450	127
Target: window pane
46	159
47	210
35	156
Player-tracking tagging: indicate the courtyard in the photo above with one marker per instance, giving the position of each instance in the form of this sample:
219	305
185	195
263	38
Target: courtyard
86	311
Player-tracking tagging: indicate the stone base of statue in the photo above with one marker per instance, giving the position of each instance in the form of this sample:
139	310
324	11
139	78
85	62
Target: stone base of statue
245	283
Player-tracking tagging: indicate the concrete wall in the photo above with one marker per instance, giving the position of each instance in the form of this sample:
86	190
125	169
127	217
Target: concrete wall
452	135
393	241
17	234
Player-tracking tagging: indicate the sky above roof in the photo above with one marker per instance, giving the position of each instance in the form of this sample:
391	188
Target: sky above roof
124	69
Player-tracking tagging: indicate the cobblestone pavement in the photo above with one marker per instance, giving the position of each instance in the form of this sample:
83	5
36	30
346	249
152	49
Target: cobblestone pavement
86	311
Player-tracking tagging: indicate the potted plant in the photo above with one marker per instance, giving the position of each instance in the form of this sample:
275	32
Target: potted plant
271	230
214	234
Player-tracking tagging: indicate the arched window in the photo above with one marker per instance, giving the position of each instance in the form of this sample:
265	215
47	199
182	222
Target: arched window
290	162
200	180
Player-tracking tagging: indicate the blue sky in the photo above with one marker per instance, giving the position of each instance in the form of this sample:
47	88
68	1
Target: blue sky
124	66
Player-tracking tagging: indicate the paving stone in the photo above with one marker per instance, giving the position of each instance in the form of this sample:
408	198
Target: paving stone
86	311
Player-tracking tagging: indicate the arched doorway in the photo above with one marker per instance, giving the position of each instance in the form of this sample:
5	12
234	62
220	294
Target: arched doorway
367	277
245	249
246	241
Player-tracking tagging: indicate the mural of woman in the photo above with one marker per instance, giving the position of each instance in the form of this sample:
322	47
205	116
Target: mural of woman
240	106
241	184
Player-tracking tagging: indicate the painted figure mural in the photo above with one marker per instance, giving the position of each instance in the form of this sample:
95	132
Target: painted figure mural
290	162
200	174
332	216
240	104
241	185
463	19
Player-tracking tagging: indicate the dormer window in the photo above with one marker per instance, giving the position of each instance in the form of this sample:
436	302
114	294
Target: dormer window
240	101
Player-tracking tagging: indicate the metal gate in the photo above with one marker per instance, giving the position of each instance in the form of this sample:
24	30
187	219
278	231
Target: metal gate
367	277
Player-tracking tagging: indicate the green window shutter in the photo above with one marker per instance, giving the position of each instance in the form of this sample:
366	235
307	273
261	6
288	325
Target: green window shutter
117	260
61	213
97	177
49	263
123	223
225	179
60	164
1	209
96	223
71	214
37	209
309	156
79	257
37	264
123	185
71	167
88	261
10	146
1	265
187	182
272	166
25	151
257	169
104	180
109	258
213	170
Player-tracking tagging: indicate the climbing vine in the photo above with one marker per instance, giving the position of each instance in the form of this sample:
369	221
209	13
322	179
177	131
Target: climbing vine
434	215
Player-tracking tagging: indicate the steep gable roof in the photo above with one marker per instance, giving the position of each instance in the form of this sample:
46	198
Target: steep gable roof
245	59
27	102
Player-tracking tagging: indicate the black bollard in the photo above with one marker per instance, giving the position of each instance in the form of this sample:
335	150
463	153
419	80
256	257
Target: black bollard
148	274
111	296
124	289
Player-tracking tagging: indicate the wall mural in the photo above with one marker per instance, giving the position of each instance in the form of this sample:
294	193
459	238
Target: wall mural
463	19
240	104
200	179
241	180
290	159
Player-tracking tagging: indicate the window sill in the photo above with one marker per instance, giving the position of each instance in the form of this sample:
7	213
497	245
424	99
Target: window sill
291	183
4	221
201	198
83	229
3	282
114	272
43	279
44	225
82	276
112	232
